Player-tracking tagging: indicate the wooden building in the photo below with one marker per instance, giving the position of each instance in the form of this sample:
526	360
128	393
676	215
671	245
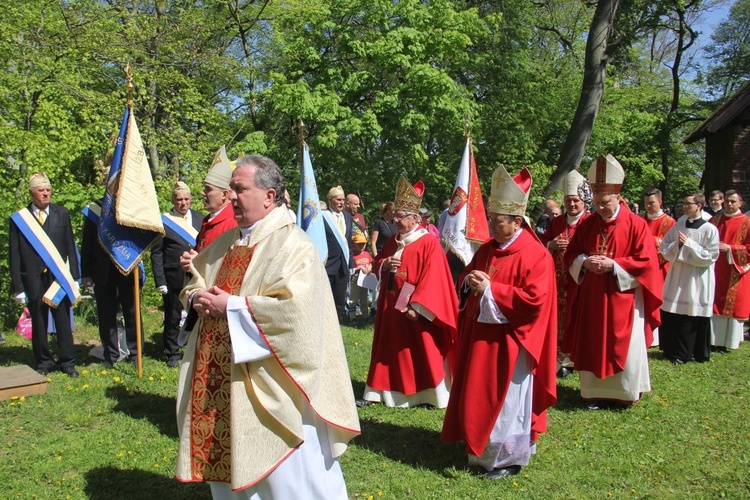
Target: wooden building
727	134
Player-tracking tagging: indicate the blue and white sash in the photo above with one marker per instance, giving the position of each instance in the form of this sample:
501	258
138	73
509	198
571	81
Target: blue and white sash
185	231
64	284
335	230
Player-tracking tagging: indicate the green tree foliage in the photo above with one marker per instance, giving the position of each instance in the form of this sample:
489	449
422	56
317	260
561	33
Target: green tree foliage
384	88
729	52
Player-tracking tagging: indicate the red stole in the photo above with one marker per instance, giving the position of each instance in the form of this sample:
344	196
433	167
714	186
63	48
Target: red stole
602	316
210	401
210	230
732	292
408	356
659	228
523	286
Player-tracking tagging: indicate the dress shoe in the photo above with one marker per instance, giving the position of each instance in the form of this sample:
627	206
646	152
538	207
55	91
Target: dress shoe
502	472
70	372
107	365
362	403
676	361
564	372
173	362
42	371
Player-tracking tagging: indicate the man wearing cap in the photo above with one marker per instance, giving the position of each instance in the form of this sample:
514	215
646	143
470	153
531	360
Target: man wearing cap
338	227
181	225
576	197
415	324
732	298
659	223
692	246
216	202
265	404
505	363
613	258
44	273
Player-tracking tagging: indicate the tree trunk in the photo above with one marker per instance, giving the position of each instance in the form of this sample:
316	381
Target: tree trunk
592	90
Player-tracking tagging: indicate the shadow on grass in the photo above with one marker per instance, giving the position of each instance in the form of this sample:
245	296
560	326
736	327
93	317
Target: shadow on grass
17	355
655	354
157	409
568	399
415	446
106	483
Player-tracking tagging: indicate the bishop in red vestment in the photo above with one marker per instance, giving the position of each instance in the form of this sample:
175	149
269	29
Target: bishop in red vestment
415	324
216	202
613	258
732	293
505	365
577	195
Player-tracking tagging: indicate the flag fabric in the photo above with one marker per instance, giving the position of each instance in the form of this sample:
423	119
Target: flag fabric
465	226
130	221
309	216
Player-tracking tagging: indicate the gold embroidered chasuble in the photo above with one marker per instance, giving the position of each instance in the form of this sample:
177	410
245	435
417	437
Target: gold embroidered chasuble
210	397
283	289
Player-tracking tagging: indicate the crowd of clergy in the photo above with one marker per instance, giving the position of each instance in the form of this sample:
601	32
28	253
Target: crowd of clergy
589	291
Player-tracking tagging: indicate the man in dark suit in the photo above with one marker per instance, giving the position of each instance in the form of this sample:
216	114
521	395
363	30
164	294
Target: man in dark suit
340	256
111	289
181	225
31	277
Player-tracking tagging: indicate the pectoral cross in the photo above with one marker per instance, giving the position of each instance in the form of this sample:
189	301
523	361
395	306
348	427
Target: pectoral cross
602	250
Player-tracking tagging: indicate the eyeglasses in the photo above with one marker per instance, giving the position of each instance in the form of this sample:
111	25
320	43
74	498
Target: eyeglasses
401	217
690	203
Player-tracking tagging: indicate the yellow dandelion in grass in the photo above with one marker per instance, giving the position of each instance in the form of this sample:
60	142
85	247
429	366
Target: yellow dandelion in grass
156	466
13	403
116	379
85	386
98	412
515	484
85	372
22	398
104	372
633	491
151	379
161	378
14	398
380	493
120	455
356	343
70	388
59	458
130	452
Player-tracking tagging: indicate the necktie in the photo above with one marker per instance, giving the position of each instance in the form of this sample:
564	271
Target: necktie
41	217
340	220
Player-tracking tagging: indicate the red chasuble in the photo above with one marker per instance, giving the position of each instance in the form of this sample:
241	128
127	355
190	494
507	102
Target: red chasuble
602	316
732	297
659	228
210	230
523	286
210	424
407	356
566	287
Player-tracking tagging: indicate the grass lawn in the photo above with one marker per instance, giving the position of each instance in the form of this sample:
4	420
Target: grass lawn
109	434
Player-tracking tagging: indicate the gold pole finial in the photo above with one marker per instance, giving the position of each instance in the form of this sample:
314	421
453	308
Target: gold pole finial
129	86
301	130
466	124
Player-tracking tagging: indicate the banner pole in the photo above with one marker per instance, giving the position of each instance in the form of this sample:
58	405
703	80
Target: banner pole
136	286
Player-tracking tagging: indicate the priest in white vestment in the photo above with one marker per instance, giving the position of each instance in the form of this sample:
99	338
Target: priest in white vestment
692	246
265	403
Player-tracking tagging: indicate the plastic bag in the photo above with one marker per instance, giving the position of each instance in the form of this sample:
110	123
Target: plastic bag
23	327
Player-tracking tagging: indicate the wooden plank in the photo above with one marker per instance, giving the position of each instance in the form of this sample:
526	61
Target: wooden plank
21	380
